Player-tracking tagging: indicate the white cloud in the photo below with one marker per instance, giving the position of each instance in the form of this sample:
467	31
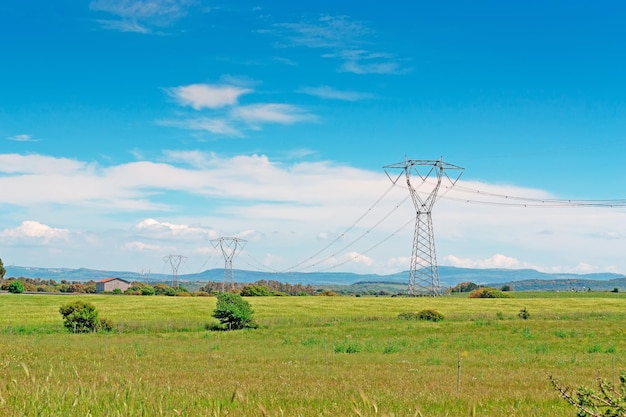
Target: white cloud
271	113
399	263
496	261
200	96
154	227
145	247
40	164
230	119
334	94
359	258
284	209
30	229
22	138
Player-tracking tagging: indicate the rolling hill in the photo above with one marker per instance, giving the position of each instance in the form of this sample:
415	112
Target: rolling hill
519	279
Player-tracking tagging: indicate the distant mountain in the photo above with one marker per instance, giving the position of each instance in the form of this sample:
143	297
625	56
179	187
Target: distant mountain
519	279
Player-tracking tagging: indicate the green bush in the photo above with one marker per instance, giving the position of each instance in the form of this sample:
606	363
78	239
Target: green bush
255	291
488	293
80	317
407	316
523	314
148	290
430	315
464	287
105	325
427	315
16	287
233	312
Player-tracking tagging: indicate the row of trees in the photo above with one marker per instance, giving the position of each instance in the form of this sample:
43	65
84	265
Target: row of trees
50	285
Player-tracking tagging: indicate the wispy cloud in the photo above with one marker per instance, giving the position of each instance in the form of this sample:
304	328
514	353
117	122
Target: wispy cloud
331	93
140	16
358	67
271	113
192	158
201	96
329	32
343	38
23	138
222	127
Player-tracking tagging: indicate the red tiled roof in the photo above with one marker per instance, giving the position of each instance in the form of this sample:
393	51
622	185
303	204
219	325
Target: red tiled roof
108	280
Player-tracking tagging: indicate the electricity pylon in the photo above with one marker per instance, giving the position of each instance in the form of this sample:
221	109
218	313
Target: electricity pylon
175	262
229	247
424	273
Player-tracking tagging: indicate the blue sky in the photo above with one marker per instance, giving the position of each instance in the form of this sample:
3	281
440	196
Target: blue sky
131	130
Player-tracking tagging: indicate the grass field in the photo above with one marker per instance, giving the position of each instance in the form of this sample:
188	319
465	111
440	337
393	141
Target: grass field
311	356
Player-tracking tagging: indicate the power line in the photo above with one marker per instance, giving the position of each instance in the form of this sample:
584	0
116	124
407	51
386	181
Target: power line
343	233
371	248
517	201
361	236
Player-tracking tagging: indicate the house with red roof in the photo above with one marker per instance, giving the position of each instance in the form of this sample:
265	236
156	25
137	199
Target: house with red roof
110	284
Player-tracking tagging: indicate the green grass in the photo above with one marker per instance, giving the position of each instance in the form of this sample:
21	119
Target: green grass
311	356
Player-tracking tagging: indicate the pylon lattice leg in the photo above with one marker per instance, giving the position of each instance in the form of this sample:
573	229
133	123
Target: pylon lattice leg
424	273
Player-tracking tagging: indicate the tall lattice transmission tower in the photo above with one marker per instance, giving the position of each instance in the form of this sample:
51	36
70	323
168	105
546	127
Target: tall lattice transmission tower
230	247
175	261
428	175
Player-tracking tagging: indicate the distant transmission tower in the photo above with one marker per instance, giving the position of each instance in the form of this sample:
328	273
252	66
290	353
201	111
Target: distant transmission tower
145	274
175	262
424	274
230	247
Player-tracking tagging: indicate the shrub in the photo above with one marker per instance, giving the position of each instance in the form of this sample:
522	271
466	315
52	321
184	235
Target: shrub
80	317
233	312
116	291
328	293
464	287
148	290
430	315
255	291
488	293
523	314
105	325
608	401
16	287
426	315
407	316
